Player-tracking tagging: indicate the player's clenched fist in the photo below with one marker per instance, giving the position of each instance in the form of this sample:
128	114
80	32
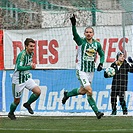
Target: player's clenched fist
73	20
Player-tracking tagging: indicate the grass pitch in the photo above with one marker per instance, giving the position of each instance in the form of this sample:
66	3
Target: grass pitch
64	124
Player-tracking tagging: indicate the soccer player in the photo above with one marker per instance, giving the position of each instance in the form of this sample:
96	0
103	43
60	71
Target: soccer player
21	78
87	51
119	82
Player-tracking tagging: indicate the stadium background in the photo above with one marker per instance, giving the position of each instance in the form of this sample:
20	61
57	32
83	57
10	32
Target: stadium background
48	23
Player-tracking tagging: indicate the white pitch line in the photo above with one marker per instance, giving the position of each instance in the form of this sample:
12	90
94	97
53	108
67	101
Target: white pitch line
112	130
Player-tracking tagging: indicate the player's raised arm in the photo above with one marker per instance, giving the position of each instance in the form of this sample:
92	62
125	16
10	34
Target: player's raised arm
76	38
102	56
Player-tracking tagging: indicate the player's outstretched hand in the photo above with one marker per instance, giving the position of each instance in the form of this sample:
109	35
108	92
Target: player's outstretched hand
130	60
100	67
73	20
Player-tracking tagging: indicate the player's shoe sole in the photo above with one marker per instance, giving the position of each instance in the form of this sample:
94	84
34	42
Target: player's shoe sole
64	99
99	115
27	106
11	116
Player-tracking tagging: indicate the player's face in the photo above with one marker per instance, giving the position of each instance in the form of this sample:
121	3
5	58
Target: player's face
89	33
30	48
121	58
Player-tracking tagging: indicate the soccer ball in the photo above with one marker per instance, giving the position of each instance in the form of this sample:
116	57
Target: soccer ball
110	71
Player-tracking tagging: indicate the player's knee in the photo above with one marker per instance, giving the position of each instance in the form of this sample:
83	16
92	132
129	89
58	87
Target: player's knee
89	91
37	90
17	101
82	93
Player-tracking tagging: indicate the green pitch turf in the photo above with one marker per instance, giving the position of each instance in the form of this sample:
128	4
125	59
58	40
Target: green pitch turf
116	124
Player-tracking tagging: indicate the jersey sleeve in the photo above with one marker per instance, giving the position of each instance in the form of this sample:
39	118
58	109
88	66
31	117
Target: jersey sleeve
101	53
76	38
20	63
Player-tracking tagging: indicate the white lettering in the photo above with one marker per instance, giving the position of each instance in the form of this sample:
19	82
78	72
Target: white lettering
101	95
129	98
53	101
42	98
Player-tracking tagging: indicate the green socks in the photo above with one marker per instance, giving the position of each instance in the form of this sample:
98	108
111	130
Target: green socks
32	98
13	107
90	99
74	92
92	103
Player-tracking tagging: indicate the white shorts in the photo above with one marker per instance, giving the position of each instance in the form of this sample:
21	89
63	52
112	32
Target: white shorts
85	78
17	89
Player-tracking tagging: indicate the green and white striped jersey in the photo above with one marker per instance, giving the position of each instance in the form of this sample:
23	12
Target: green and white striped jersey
87	52
22	67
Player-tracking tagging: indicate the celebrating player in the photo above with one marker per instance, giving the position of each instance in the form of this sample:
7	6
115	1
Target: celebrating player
119	82
87	50
21	78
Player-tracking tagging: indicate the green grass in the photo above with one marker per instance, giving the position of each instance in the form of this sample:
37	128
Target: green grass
65	124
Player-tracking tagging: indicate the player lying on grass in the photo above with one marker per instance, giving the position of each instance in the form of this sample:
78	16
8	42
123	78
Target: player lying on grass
120	81
87	50
21	78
